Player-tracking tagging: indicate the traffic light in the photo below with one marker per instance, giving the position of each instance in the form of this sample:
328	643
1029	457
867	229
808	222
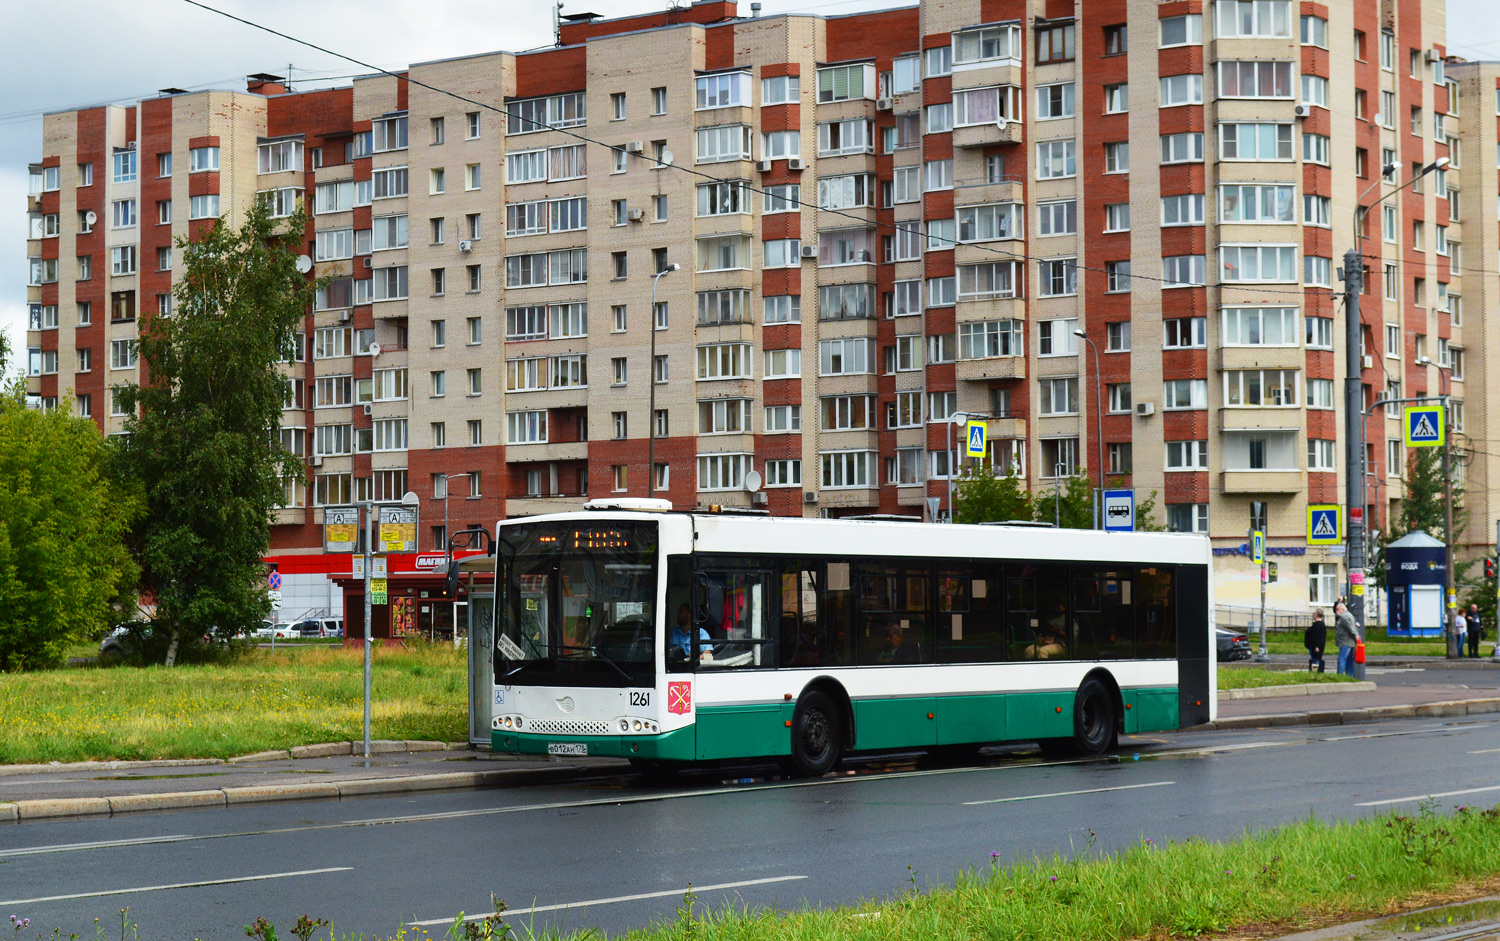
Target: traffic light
1489	568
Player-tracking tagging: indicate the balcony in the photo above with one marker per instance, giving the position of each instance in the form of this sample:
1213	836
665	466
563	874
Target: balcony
999	189
1265	481
1261	419
1008	427
988	135
527	505
998	367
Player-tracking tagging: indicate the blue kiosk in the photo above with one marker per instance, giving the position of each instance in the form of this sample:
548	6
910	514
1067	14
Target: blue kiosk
1416	567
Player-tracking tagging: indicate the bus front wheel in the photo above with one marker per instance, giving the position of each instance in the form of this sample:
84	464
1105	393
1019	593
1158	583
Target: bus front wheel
817	736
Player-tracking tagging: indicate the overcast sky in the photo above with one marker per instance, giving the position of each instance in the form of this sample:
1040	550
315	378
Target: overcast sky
127	51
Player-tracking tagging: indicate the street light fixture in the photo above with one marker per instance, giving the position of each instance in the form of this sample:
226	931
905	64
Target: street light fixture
1354	425
1099	419
957	418
651	382
448	549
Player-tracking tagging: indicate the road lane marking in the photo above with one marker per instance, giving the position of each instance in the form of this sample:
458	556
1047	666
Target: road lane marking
101	844
1485	751
535	909
1423	797
176	885
1092	790
1443	728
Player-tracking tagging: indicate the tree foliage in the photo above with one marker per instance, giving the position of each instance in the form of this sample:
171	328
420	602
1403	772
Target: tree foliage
64	565
982	496
204	429
1069	503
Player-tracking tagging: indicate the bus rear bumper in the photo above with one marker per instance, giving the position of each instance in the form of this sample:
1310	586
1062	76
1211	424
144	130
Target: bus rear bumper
679	745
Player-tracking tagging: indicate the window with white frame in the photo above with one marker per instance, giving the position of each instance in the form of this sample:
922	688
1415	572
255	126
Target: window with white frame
971	46
1264	202
1059	458
1056	337
847	469
1059	396
1255	141
1184	30
1258	263
781	90
838	357
1260	388
1252	19
1184	209
1255	78
988	339
1059	217
1320	393
723	471
1259	326
1181	90
1186	147
1187	455
1054	101
537	114
996	279
1318	332
724	90
724	142
1184	394
1057	277
846	82
1056	159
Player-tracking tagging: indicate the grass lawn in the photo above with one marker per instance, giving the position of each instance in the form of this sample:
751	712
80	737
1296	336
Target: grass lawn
1377	644
261	701
1251	677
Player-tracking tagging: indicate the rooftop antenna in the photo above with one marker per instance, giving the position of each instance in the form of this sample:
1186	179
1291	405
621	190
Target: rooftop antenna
288	78
557	23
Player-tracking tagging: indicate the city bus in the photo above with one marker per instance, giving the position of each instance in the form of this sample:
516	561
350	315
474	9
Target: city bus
668	637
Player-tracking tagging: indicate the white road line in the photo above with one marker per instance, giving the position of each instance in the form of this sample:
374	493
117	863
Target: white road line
1440	729
176	885
1423	797
1485	751
612	901
1092	790
102	844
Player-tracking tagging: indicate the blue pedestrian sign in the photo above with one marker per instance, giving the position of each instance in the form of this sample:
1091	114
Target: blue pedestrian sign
1258	547
1323	525
1119	510
976	430
1424	426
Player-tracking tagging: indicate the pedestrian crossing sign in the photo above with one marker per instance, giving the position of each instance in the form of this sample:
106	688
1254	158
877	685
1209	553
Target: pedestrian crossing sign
976	431
1323	525
1424	426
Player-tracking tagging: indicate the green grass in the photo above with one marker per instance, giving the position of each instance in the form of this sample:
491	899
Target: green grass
1252	677
1377	644
1267	883
260	701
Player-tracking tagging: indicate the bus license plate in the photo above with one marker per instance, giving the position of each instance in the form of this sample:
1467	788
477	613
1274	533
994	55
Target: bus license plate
580	749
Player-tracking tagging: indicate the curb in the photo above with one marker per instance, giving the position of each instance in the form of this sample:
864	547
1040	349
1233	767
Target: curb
1458	707
378	746
44	809
1298	689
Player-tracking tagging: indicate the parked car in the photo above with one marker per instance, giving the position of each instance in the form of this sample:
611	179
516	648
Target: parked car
1232	645
333	627
117	644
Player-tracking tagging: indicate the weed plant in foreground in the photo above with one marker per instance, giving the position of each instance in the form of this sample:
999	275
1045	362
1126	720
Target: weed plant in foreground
1263	885
257	702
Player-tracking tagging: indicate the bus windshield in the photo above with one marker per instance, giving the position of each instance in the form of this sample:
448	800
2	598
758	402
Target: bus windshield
578	604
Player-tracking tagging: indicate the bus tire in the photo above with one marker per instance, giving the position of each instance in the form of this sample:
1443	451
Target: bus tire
817	735
1093	719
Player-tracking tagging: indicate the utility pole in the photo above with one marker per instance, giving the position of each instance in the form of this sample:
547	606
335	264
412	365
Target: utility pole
1354	436
1449	591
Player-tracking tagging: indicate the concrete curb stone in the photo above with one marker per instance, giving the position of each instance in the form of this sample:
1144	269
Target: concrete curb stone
62	807
174	800
279	792
7	813
120	765
414	782
425	746
273	755
1325	718
1299	689
324	750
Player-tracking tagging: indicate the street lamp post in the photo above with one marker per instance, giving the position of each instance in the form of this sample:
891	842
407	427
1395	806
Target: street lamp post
1354	426
448	550
1099	421
651	383
957	418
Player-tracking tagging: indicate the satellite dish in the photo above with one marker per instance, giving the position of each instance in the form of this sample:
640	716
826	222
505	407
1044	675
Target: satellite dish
91	217
752	481
304	264
374	349
667	158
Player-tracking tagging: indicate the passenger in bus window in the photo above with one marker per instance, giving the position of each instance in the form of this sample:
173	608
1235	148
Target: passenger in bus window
896	649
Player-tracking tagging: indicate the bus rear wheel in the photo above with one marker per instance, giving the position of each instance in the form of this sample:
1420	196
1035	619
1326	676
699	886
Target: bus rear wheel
1093	724
817	736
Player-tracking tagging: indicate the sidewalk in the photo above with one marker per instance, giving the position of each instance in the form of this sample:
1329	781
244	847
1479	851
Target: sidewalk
31	792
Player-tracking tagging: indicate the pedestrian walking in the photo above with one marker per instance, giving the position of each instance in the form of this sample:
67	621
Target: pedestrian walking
1476	630
1346	635
1315	639
1460	630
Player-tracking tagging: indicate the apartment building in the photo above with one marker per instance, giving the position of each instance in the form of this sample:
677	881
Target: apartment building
881	221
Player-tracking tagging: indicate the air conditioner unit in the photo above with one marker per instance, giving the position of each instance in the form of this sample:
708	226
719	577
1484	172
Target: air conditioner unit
810	496
882	104
635	215
466	246
1432	55
758	498
345	316
369	409
316	460
1145	408
796	163
1300	111
809	251
635	147
763	166
369	262
1367	362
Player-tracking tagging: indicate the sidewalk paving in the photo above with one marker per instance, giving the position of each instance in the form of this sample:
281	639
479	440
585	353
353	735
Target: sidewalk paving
30	792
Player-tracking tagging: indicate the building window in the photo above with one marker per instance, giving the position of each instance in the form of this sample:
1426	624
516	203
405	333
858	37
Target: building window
1322	582
1187	517
1054	43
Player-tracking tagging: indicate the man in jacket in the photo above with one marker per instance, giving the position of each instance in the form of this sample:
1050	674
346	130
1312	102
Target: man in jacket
1476	630
1346	635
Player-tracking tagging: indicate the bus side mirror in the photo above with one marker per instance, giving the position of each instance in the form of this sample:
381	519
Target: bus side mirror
450	584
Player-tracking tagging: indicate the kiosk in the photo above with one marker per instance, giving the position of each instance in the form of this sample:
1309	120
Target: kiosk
1415	570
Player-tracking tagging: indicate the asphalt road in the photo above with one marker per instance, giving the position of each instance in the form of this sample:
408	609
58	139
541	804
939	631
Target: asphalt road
614	853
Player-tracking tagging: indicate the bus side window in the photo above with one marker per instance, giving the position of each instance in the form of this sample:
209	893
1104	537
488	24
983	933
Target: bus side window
1156	613
970	614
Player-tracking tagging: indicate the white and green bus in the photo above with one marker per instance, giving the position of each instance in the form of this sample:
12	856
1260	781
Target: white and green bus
668	638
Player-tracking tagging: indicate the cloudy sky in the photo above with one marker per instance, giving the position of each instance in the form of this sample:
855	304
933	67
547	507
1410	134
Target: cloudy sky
121	52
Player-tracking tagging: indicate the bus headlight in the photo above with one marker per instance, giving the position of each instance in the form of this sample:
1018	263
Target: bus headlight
624	725
637	725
